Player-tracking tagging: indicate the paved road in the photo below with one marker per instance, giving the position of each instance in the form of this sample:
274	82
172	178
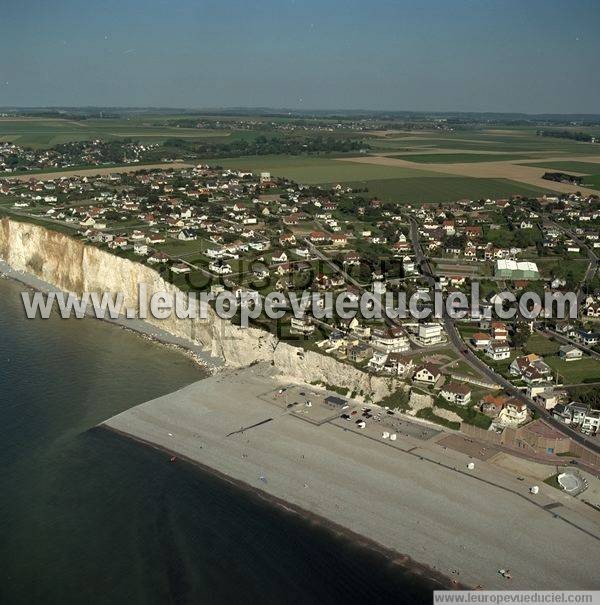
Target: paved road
456	340
380	308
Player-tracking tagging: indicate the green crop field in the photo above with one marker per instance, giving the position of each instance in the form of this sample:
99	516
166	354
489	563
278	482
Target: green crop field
393	183
592	181
445	188
455	158
316	170
513	140
41	133
566	166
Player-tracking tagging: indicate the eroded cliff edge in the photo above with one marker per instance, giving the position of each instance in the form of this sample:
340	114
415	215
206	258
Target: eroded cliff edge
72	266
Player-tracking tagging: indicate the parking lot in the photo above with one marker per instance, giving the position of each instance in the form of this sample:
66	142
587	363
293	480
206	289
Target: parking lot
313	405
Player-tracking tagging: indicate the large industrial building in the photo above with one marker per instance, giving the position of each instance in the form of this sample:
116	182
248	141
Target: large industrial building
512	269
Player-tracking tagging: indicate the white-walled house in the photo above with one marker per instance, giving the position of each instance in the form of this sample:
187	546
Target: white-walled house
497	350
427	373
457	393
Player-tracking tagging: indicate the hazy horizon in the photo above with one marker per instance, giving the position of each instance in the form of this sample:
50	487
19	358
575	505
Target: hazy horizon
434	56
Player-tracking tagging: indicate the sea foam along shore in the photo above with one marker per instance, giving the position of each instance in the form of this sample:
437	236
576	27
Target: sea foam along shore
415	498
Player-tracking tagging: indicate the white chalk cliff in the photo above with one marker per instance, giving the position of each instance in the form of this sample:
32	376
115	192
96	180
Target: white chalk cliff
69	264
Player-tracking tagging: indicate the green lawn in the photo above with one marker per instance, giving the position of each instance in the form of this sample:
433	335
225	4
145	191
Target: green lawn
574	372
541	345
557	265
456	158
462	367
553	481
174	247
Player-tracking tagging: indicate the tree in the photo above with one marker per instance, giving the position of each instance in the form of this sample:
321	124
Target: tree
521	334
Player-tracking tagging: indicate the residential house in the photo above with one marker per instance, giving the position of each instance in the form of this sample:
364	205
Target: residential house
427	373
591	423
399	364
287	239
492	405
155	238
180	268
520	365
187	235
279	256
359	352
572	413
140	249
339	239
392	339
570	353
429	333
588	338
456	392
497	350
499	331
158	258
219	267
548	399
377	363
318	237
513	413
481	339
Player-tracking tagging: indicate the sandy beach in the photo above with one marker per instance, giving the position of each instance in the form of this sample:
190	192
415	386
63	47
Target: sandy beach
412	496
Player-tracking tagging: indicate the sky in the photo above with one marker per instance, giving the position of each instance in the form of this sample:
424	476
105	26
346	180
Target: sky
425	55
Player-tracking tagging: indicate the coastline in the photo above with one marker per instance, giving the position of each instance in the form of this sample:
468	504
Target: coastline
137	326
437	521
403	561
212	365
420	505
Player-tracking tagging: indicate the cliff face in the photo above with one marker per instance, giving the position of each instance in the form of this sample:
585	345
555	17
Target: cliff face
70	265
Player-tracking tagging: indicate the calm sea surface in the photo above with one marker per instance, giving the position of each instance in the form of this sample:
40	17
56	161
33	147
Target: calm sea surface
90	517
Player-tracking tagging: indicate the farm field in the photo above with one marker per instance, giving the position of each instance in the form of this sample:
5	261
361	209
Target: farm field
445	188
41	133
514	140
436	166
569	166
593	181
318	170
455	158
